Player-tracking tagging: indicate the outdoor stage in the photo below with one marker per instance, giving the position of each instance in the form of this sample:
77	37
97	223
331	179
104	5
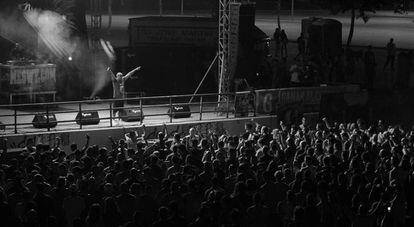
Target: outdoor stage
264	108
70	132
18	118
153	115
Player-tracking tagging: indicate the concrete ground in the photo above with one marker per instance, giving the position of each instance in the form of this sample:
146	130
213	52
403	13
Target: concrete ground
376	32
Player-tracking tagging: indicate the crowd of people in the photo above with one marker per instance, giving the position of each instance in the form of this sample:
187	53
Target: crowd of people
327	174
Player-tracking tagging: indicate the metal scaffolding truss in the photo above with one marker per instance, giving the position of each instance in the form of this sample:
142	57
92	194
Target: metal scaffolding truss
96	7
96	23
223	49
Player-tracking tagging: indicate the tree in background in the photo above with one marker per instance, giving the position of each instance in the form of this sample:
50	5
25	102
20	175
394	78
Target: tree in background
356	8
402	6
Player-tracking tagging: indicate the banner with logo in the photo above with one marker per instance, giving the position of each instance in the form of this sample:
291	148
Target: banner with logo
195	31
33	78
271	100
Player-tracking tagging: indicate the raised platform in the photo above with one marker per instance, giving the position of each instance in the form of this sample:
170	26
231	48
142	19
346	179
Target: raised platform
153	115
262	105
99	135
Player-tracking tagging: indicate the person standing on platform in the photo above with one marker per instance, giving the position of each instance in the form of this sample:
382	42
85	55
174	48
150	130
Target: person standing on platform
295	73
118	85
276	37
284	41
301	47
370	64
391	51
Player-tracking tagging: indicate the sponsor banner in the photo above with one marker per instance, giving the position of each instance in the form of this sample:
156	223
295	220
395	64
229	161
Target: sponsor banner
29	78
270	101
23	76
266	101
174	35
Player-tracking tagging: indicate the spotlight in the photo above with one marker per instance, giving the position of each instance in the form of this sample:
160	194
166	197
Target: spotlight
70	58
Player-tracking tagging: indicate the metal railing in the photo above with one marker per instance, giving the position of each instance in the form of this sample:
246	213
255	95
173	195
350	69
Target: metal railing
202	104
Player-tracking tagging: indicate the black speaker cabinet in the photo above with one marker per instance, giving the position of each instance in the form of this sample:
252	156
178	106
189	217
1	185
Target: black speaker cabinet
132	115
324	36
87	118
180	111
2	126
41	121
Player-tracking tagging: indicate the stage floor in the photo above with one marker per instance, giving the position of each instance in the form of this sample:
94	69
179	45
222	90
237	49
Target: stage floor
26	116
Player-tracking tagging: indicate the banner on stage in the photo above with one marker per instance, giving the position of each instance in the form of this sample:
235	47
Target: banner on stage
28	78
198	31
32	76
270	101
174	35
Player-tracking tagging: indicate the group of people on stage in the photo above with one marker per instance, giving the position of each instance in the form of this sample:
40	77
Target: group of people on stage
312	69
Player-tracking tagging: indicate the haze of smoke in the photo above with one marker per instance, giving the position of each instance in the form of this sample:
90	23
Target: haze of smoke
55	34
103	60
102	78
54	30
14	28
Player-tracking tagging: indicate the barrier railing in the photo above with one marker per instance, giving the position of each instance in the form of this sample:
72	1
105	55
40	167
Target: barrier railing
13	121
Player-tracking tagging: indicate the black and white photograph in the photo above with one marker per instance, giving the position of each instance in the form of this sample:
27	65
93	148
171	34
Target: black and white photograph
207	113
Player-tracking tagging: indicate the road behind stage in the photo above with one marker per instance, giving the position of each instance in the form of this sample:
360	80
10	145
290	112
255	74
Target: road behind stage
381	26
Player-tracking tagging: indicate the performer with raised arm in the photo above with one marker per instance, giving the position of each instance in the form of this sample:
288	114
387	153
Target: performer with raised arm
118	84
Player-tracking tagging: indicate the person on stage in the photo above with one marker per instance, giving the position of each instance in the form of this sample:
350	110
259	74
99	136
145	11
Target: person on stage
118	84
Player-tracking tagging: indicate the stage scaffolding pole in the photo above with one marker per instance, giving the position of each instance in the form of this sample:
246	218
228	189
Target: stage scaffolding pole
96	26
227	48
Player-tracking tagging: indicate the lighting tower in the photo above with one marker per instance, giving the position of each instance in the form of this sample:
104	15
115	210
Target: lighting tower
96	8
96	23
227	47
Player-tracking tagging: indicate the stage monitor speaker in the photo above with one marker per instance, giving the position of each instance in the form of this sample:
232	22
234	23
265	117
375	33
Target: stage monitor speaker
180	111
2	126
40	121
87	118
132	115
